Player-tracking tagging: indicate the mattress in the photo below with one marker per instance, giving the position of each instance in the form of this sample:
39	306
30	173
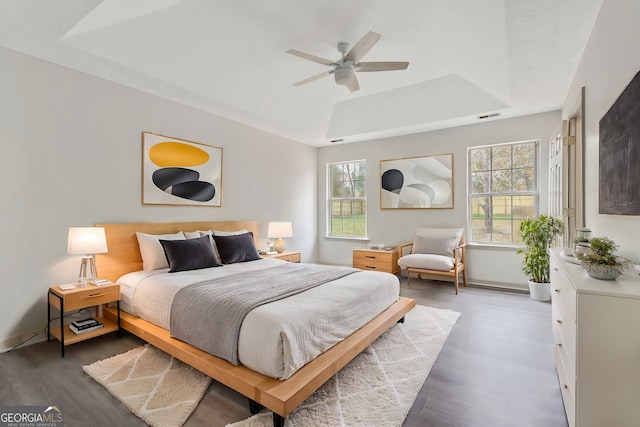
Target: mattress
278	338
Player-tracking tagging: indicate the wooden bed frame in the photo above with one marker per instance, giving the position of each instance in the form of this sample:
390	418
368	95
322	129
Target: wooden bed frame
281	397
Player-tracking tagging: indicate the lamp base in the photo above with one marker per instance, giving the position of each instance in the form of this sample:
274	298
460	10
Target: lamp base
279	246
87	271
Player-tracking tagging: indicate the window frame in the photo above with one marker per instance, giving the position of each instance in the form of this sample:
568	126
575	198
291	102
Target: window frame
470	193
330	199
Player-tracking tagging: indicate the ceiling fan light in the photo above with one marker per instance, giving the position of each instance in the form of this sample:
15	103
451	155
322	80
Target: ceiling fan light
343	75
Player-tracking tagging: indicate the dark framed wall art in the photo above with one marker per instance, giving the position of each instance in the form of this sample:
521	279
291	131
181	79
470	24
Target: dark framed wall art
619	181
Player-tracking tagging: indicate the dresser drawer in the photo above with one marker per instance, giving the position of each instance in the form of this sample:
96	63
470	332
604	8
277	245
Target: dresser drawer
376	260
564	333
567	387
561	287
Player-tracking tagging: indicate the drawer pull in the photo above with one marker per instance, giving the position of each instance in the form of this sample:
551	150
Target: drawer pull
369	256
557	290
373	267
566	387
559	345
555	268
95	295
559	322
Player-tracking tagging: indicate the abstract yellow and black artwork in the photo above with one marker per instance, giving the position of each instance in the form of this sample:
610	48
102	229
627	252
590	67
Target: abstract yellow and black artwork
180	172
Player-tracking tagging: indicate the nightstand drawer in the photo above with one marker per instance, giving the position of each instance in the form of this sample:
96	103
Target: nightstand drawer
87	297
293	257
561	287
376	260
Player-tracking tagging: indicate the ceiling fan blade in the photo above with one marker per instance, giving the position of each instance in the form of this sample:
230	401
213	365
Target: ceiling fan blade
381	66
364	45
312	78
310	57
353	86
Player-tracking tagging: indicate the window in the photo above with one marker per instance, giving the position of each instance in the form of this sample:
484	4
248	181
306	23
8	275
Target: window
347	188
503	190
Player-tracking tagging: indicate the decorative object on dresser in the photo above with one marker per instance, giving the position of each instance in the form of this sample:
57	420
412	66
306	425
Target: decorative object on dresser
581	242
180	172
77	298
279	231
417	183
538	234
601	262
596	353
377	259
86	241
436	251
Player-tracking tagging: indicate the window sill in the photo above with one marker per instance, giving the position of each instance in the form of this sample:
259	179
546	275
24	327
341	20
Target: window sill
346	238
511	247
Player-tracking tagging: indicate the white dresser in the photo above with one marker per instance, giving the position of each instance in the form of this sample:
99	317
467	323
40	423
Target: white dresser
596	327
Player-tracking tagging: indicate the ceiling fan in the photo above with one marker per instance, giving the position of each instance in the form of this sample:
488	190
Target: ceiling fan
344	69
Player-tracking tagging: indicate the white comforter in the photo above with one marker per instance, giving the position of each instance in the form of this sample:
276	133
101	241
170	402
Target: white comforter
278	338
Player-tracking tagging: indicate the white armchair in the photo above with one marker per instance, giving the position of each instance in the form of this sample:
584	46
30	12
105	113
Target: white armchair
435	251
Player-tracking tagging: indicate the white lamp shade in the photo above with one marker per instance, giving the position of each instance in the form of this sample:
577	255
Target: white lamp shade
279	230
86	240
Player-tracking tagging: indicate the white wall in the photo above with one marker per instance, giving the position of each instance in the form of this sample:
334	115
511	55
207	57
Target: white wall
610	60
486	265
71	156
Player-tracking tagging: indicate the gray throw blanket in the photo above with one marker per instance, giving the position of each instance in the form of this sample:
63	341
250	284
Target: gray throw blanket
208	314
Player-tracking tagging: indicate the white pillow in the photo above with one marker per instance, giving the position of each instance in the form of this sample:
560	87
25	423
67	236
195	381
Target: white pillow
229	233
438	241
192	234
426	262
151	251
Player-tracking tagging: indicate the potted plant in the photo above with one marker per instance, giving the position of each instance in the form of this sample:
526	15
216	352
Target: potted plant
601	262
537	235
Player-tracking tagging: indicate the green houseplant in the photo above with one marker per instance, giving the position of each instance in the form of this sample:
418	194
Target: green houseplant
537	235
601	262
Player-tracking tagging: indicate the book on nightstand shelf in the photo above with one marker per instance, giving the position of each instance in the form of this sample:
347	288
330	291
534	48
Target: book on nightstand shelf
85	325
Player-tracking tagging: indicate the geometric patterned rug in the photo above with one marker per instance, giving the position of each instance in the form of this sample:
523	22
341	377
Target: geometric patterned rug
157	388
379	386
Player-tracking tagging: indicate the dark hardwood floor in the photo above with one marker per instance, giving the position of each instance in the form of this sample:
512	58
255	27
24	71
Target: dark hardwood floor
496	369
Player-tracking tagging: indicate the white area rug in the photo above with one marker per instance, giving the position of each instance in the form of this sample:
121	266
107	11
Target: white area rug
379	386
154	386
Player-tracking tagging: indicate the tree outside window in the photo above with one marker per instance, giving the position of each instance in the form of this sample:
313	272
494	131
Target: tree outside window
503	190
347	187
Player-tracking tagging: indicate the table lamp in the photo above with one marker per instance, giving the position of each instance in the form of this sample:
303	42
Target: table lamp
86	241
279	231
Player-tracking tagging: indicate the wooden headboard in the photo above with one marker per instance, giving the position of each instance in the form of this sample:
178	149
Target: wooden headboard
124	254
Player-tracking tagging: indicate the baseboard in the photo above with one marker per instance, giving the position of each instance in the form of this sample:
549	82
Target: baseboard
38	336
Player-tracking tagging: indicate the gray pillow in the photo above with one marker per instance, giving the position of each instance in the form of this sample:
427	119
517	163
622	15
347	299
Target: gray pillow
190	254
437	241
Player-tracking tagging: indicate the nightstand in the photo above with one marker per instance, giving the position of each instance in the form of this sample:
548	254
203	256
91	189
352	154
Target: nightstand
377	260
285	256
75	299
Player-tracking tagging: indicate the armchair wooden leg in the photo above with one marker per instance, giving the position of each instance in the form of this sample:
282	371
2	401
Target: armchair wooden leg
464	278
456	280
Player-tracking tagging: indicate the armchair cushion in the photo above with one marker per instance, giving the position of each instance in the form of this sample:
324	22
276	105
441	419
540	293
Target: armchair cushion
426	262
437	241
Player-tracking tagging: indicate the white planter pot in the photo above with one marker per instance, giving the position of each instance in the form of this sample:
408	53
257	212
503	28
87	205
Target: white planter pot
540	291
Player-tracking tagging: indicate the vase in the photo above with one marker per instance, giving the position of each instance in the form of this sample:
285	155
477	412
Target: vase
540	291
602	271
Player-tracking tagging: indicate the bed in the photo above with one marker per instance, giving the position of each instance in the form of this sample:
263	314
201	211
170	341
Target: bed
258	383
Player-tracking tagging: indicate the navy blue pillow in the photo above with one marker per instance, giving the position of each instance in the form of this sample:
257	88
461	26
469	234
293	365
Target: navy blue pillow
190	254
236	248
